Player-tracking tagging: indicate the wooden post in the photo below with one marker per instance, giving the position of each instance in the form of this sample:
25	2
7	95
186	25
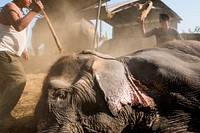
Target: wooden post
95	41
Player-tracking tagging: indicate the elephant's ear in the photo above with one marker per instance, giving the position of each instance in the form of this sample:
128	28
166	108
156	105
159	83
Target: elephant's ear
110	75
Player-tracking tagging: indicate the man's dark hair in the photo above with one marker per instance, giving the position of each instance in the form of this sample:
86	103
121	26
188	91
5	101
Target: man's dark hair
163	17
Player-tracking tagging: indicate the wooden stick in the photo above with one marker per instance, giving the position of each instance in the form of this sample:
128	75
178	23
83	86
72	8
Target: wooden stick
144	9
52	31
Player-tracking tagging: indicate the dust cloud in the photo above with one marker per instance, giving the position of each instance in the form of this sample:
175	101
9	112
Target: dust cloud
75	34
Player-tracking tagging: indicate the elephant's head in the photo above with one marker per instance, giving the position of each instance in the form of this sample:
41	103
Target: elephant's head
88	92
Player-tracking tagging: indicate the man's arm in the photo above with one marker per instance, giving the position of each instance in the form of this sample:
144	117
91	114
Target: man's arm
179	37
176	34
20	22
149	33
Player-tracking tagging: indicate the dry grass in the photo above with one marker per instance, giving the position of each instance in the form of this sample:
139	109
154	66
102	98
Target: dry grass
24	111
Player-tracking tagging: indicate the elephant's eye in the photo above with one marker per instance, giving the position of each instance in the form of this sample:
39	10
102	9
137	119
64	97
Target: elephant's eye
60	93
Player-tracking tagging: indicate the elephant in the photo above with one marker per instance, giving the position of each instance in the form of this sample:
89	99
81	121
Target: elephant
70	27
172	74
70	33
150	90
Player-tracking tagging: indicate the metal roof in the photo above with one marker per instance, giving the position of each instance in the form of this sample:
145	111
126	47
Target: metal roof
119	6
121	13
126	13
77	4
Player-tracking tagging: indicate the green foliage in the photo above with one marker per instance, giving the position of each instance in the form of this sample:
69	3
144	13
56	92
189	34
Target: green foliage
196	30
104	37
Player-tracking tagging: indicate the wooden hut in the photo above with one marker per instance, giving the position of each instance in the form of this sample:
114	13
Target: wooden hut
126	31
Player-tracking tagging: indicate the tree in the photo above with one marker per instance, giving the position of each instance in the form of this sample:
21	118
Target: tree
196	30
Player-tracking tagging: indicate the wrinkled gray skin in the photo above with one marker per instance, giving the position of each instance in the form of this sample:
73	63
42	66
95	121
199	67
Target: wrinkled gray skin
74	100
78	96
172	74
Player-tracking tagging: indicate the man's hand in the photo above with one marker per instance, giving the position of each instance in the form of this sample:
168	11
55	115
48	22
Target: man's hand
25	55
38	6
141	21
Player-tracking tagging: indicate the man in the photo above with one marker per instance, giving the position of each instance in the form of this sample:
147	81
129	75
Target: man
164	33
12	45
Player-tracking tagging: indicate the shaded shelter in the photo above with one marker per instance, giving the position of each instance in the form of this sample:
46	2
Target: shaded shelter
124	15
126	31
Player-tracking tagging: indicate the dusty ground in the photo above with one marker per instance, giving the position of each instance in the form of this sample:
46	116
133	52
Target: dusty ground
25	108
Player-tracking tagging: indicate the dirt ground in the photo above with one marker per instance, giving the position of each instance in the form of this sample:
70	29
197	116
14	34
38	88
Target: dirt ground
24	111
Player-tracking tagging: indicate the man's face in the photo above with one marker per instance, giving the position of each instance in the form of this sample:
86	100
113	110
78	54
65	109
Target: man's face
164	24
26	3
